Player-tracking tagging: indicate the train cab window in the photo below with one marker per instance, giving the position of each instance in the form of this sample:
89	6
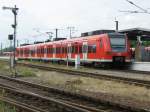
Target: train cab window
92	48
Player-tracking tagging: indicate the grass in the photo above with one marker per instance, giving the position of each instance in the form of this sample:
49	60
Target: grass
77	84
22	71
4	67
26	72
6	108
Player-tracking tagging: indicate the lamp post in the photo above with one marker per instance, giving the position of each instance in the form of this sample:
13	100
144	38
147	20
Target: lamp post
14	26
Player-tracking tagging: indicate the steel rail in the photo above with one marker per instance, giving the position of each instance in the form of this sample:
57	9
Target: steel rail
75	95
30	99
133	81
113	69
21	106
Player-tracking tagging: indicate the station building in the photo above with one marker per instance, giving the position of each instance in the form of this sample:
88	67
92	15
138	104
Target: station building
140	43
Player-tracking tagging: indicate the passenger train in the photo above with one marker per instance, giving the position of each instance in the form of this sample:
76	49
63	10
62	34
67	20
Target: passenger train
96	49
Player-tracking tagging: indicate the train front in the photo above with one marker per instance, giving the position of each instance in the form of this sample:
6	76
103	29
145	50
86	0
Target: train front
118	48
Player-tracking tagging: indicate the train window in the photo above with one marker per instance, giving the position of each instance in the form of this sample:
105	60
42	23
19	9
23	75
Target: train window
42	50
76	49
58	50
38	51
62	50
26	51
69	49
91	48
45	51
94	48
65	49
84	48
51	50
101	44
73	49
48	50
80	49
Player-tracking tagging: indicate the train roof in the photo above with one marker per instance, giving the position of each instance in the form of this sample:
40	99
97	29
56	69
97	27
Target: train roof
78	39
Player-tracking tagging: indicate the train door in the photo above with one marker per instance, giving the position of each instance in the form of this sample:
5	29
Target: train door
35	51
45	51
85	50
23	52
69	51
54	51
80	50
30	52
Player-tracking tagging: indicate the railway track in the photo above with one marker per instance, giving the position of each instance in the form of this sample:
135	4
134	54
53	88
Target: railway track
108	69
133	81
38	98
35	102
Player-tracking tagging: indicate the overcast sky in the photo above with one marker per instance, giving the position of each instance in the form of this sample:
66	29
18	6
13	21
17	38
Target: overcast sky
84	15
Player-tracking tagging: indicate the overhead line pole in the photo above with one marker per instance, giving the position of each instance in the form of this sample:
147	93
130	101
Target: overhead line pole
1	48
56	33
14	11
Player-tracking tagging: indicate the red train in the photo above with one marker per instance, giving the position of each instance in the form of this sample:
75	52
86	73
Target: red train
96	49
